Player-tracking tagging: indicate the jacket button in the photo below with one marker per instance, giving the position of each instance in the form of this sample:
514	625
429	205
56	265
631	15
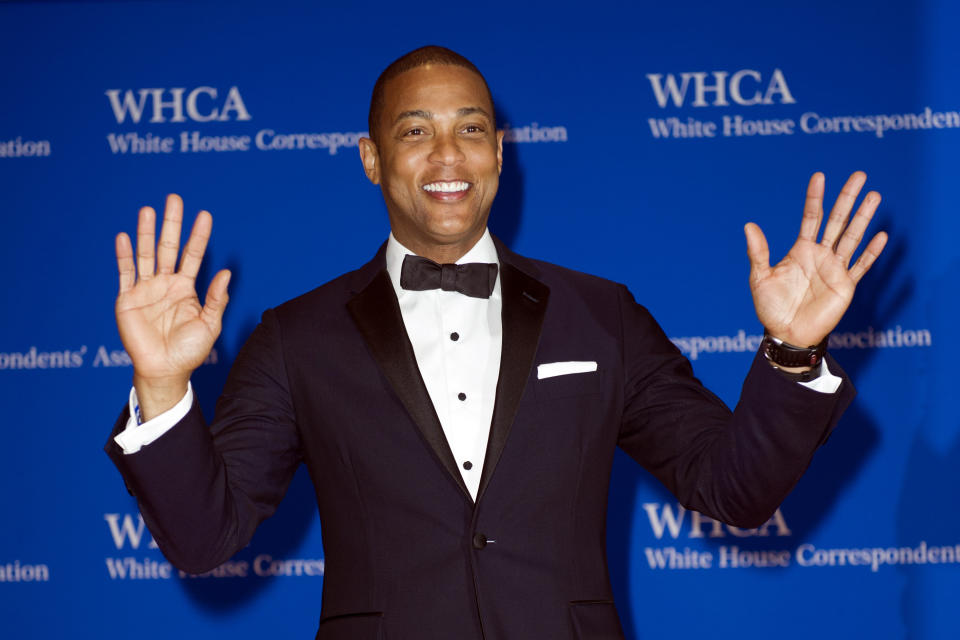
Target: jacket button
479	541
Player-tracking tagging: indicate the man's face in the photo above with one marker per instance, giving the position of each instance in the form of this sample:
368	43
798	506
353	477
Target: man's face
437	160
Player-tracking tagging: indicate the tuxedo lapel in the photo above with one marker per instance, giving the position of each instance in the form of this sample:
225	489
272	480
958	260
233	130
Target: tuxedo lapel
377	314
524	306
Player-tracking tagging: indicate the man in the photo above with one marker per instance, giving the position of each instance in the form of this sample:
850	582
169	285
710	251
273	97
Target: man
459	422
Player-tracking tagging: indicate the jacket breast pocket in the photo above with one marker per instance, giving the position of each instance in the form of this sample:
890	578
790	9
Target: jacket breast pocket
595	620
573	384
351	626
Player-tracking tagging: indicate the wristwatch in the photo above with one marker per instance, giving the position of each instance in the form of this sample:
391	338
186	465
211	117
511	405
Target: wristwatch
784	354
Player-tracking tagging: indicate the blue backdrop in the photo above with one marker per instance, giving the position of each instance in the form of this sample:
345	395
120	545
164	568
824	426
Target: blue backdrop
641	138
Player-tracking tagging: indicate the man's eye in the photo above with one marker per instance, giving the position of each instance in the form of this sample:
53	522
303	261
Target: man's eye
416	131
473	128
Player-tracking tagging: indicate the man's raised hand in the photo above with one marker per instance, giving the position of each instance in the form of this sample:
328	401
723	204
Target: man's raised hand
802	298
164	329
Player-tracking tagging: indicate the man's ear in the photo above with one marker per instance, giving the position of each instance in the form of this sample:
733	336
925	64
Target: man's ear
371	159
500	151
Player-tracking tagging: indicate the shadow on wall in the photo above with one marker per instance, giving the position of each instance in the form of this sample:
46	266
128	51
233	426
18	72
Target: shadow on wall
879	299
931	483
505	217
282	534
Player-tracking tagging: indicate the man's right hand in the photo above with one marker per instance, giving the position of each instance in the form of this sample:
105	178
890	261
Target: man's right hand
164	329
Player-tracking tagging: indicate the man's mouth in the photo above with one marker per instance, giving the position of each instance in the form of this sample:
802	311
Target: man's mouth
443	188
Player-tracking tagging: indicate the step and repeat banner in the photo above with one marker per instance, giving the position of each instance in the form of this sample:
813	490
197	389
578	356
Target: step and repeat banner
640	137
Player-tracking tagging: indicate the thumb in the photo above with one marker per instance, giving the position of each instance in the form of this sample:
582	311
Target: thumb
757	250
216	301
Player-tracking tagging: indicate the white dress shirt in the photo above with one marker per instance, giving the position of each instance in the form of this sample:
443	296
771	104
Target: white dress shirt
457	341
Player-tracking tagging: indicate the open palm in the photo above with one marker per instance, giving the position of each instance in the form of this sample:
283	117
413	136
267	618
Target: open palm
163	326
802	298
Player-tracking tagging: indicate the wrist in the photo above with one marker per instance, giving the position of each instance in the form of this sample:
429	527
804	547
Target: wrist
157	395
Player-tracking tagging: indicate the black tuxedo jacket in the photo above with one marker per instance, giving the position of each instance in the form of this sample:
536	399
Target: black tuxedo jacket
330	379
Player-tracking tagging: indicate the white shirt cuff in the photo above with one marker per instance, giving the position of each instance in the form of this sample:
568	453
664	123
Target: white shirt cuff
136	435
826	382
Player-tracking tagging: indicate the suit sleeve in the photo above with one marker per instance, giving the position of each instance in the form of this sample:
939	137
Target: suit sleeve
203	491
736	466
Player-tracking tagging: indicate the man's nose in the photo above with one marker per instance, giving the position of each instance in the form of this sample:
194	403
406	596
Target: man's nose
446	150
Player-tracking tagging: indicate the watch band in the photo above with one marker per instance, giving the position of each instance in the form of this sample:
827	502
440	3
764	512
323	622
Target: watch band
800	376
784	354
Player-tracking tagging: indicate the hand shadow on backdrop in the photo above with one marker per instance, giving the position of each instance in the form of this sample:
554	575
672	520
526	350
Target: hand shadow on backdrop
507	211
282	534
878	299
931	482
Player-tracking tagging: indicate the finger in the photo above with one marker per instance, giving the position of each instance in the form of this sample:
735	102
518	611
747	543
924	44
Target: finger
196	245
169	245
851	238
757	250
128	272
812	208
146	227
868	257
216	300
842	208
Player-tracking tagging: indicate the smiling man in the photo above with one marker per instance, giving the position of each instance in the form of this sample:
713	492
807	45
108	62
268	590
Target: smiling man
435	152
458	405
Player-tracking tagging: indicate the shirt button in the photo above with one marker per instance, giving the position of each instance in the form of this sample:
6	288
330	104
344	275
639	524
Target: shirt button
462	396
479	541
468	465
454	336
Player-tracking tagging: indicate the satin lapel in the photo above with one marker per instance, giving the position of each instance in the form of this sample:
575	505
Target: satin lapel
377	315
524	305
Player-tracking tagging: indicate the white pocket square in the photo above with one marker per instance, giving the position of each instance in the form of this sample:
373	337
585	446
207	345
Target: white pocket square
551	369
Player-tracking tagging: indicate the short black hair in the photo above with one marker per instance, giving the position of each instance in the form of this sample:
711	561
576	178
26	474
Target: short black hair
430	54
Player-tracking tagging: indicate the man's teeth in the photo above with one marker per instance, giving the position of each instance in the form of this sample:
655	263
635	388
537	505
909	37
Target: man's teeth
446	187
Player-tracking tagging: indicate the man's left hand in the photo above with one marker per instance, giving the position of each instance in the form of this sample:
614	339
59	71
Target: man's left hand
802	298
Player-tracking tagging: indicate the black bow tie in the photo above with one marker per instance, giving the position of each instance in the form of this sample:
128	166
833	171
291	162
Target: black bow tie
474	279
